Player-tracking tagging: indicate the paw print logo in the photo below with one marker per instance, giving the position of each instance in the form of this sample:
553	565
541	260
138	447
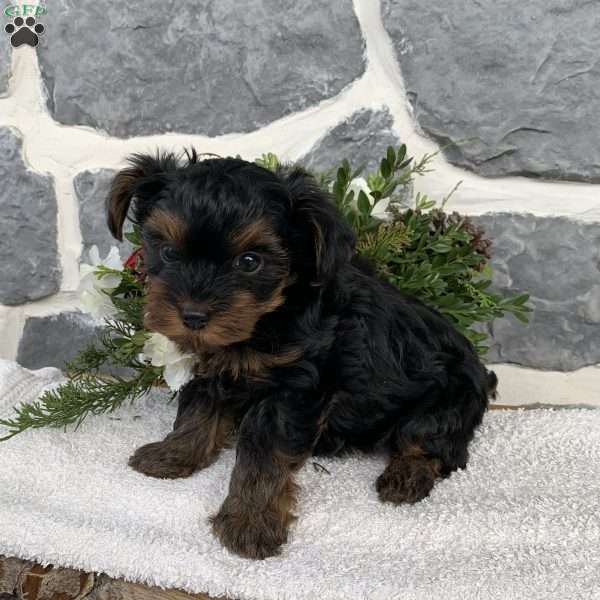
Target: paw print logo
24	31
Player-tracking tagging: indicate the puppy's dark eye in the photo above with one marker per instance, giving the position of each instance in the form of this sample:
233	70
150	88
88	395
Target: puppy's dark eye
168	254
249	262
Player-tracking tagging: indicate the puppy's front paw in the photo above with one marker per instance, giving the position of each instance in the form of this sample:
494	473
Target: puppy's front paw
407	482
160	459
247	533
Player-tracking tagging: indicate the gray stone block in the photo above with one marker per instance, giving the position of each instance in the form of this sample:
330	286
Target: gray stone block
557	261
518	79
91	189
54	340
5	58
28	245
363	138
196	67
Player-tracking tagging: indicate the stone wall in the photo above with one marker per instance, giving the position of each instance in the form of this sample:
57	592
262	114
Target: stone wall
312	80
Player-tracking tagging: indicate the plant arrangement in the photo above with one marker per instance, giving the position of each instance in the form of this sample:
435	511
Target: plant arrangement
441	258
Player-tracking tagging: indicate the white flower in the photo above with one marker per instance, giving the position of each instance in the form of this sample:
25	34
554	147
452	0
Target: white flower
160	351
380	209
97	303
87	272
92	287
357	185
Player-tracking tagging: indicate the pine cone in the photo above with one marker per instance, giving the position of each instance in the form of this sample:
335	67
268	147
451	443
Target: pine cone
479	242
443	221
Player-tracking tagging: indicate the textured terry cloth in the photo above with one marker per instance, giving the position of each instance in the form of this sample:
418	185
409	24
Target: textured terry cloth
522	521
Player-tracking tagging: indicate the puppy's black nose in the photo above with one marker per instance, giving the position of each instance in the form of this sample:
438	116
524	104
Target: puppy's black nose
194	318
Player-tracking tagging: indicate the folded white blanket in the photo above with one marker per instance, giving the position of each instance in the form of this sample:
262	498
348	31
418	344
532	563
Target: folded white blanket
523	521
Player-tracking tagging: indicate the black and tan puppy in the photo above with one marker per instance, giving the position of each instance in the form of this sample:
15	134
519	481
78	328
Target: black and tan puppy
301	349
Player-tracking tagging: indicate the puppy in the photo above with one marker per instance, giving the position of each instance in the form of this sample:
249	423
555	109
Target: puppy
301	349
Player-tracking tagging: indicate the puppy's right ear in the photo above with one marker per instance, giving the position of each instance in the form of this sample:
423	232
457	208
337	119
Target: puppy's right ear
142	179
321	238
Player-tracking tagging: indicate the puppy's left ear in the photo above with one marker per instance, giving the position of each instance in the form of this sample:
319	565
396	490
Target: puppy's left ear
142	179
321	240
121	194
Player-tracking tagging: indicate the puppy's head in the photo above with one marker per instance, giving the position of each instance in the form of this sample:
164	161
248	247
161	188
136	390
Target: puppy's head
223	239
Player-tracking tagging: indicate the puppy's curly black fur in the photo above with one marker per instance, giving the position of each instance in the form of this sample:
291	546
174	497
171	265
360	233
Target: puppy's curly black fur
301	349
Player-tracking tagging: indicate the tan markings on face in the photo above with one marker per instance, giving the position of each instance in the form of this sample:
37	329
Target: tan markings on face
255	235
161	315
213	345
229	327
238	322
169	226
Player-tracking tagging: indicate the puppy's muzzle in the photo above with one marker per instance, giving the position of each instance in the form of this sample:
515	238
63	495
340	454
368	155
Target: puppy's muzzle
194	318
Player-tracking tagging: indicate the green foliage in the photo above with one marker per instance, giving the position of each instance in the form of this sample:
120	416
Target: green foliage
438	257
443	261
268	161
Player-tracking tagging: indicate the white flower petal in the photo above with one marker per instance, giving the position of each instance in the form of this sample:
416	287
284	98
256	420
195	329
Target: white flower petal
113	259
86	270
153	349
94	255
88	301
157	360
91	285
177	374
162	352
98	304
87	278
172	353
109	281
357	185
380	210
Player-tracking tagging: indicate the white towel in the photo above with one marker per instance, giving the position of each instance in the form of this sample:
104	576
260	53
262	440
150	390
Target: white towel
523	521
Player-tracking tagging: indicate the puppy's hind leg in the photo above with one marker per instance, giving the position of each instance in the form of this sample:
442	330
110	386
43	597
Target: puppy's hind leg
435	442
199	433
